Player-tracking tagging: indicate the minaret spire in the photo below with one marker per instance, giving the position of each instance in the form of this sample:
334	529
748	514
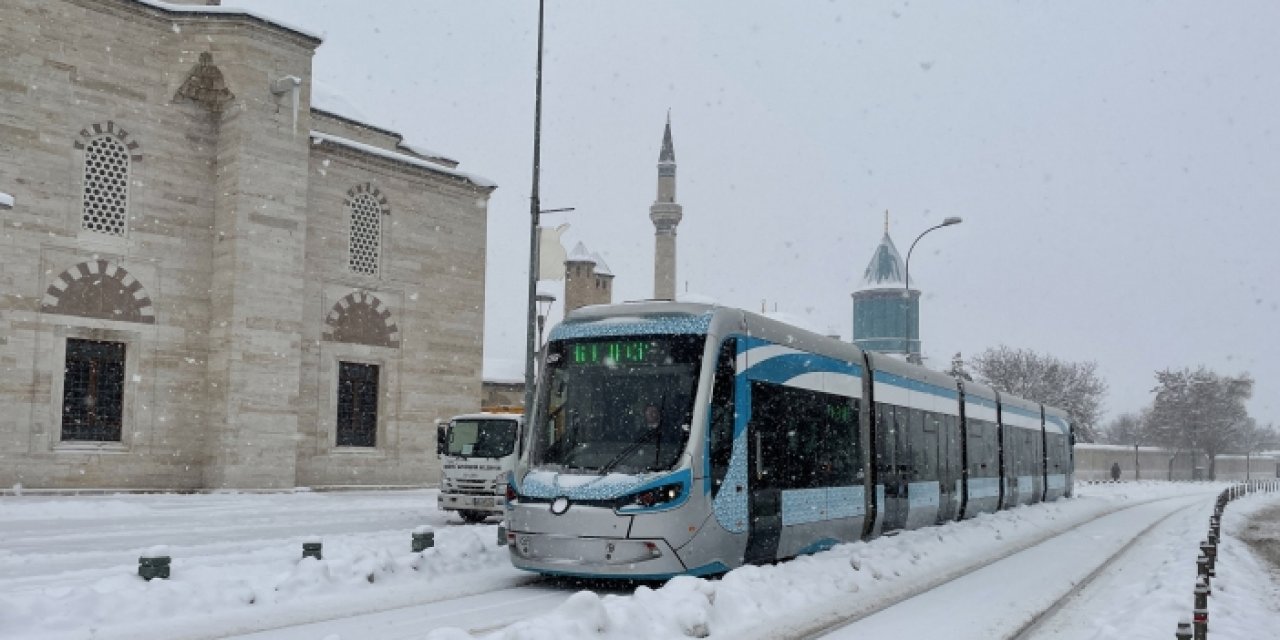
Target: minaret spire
665	214
886	222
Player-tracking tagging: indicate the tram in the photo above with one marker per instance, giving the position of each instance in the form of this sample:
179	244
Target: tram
674	439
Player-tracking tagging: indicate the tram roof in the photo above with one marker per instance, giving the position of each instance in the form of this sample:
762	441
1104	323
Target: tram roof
882	362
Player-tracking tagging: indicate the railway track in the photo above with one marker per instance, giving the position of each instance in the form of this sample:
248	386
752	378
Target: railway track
952	591
1030	630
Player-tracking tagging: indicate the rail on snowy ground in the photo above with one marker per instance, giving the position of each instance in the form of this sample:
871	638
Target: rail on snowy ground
1206	562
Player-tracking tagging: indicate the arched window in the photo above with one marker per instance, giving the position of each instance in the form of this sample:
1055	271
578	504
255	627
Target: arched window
366	234
106	186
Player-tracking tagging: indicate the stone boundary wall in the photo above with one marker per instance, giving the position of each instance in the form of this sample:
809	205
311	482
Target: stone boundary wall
1093	464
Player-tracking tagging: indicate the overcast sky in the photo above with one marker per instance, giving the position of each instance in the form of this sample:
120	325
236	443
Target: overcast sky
1116	164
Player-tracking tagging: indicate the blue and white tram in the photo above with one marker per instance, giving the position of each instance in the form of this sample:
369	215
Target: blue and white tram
671	439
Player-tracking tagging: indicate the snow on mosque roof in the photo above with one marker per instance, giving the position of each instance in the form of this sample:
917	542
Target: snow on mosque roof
324	98
580	254
229	11
318	137
602	269
886	268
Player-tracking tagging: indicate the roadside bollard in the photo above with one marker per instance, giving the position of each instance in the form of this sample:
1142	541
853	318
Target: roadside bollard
1184	630
1202	568
424	538
311	549
1210	551
154	563
1200	614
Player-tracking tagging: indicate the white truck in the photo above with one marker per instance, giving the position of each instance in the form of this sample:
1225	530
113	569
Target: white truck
477	451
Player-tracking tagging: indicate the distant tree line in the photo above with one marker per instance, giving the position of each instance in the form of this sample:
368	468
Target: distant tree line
1196	410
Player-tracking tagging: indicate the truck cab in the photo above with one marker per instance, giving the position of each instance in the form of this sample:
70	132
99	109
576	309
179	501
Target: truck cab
477	451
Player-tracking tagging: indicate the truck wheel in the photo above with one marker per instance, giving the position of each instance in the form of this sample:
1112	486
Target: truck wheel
473	516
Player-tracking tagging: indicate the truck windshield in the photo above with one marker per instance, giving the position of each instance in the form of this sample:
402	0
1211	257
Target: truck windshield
616	404
481	438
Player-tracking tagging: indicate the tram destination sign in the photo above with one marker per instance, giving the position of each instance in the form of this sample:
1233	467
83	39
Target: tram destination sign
613	352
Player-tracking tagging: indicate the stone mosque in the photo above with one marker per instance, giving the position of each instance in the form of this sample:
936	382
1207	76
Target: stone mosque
210	279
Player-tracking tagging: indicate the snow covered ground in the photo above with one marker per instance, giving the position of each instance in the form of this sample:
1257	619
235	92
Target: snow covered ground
68	570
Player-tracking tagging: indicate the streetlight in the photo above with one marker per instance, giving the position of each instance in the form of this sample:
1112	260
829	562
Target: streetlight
534	211
906	288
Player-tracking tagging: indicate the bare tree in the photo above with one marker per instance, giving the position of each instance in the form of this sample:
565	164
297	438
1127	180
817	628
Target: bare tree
1074	387
1256	437
1201	411
1127	428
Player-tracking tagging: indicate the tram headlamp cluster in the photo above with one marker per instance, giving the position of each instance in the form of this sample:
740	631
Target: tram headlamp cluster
656	496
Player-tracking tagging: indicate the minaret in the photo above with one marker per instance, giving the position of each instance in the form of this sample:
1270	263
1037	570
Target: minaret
665	214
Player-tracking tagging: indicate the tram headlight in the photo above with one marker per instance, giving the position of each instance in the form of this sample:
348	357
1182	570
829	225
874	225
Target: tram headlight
655	497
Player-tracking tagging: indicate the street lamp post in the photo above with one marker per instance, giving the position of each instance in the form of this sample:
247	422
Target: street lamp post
906	289
534	213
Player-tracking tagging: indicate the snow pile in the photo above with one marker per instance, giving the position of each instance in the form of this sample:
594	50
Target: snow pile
800	595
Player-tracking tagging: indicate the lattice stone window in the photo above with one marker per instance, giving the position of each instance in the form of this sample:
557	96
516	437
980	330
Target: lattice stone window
106	186
366	234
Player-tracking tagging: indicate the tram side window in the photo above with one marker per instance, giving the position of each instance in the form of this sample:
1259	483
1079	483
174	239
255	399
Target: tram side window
1057	449
720	444
839	453
1012	466
767	434
807	438
983	459
1025	451
884	440
924	446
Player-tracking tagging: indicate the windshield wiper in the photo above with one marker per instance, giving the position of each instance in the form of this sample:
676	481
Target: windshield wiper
627	451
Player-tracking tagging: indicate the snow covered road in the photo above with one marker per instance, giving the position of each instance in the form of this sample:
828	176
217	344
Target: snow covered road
68	565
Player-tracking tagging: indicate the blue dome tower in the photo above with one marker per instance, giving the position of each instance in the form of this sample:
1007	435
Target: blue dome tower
886	309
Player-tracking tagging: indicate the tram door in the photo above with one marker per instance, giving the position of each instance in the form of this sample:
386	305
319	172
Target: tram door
766	444
947	428
893	464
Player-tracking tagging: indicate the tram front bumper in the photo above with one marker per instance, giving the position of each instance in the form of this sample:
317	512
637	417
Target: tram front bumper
559	554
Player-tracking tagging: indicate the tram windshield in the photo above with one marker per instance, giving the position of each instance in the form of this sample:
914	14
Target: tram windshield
616	404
